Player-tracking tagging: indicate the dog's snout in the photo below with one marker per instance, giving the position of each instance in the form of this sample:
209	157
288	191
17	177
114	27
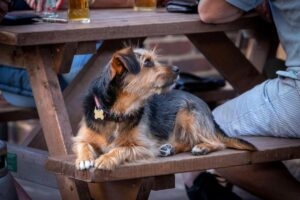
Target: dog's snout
175	69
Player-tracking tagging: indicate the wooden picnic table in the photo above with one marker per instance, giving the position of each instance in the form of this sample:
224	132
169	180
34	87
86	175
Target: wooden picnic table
45	49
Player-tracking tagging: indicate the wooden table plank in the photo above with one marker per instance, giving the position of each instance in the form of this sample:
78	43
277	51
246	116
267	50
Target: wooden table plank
115	24
13	113
269	149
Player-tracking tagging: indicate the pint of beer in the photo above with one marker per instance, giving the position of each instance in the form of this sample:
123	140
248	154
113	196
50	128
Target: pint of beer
78	10
145	5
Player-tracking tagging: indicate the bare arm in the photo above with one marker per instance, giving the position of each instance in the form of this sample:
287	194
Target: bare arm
217	11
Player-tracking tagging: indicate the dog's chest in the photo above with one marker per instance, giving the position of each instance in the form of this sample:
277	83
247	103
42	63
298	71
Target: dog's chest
116	137
111	134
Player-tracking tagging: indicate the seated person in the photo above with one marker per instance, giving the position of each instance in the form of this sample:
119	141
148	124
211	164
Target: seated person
269	109
15	85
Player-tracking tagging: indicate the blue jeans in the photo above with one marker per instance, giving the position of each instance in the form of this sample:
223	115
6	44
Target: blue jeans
15	85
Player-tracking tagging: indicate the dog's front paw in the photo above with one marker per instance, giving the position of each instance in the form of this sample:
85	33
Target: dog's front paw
200	150
105	162
84	164
166	150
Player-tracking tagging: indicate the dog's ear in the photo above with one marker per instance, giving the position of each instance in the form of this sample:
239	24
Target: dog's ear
124	60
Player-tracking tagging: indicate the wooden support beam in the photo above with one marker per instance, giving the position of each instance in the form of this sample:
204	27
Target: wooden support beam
227	59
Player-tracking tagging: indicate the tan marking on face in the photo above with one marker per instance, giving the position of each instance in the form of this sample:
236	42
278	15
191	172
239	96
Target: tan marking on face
151	79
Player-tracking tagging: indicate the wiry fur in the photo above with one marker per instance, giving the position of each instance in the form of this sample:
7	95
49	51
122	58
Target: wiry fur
144	118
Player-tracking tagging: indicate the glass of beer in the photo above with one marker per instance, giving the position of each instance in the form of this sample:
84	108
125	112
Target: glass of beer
79	10
145	5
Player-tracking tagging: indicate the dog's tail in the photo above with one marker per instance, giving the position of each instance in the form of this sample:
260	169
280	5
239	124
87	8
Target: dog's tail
233	142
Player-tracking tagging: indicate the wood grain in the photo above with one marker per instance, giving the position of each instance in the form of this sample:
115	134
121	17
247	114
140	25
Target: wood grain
52	112
269	149
115	24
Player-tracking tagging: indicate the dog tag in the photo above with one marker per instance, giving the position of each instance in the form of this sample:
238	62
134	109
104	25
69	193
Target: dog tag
98	114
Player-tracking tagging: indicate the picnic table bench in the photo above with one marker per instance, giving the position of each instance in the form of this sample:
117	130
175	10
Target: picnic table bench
161	171
47	49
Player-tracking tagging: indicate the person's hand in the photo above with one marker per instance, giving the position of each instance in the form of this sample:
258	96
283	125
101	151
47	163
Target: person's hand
38	7
264	11
3	8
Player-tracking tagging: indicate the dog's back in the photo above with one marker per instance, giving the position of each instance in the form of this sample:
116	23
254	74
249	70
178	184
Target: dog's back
162	110
185	121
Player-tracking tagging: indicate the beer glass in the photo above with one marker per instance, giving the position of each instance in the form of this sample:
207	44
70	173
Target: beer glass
145	5
78	10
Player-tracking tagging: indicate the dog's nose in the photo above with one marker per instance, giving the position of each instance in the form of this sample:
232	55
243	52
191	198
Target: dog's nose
175	69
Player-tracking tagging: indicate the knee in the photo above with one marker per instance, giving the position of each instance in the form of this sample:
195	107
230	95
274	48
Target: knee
205	16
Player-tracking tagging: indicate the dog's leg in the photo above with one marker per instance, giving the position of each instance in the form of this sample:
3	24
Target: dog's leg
182	138
205	148
84	155
87	144
172	148
194	132
120	155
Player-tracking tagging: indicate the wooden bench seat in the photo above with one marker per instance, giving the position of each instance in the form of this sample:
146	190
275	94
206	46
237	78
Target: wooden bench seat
269	149
9	112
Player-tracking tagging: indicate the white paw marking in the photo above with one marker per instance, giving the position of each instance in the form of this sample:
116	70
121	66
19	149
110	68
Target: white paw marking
86	164
199	151
166	150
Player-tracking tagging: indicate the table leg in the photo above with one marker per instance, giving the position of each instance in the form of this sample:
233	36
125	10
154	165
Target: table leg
52	112
227	59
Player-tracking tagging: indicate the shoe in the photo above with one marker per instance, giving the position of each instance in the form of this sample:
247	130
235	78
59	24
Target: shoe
207	187
191	83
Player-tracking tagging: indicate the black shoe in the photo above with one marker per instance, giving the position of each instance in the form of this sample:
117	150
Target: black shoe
192	83
206	187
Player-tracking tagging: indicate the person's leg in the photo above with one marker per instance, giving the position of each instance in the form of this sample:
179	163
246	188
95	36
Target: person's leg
267	181
269	109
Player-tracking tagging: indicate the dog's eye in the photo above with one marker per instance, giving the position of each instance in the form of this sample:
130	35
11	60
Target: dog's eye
148	63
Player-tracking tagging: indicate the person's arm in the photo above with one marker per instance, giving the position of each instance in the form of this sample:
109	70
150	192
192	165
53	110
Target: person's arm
218	11
3	9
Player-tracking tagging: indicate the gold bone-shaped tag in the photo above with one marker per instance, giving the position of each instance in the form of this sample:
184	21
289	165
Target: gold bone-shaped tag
98	114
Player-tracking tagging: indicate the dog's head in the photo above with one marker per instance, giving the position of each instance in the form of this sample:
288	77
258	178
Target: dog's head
129	79
140	73
136	73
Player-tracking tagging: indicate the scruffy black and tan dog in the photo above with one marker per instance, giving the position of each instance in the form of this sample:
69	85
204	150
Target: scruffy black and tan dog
131	113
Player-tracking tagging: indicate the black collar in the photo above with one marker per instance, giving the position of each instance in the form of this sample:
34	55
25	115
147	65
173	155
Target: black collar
104	115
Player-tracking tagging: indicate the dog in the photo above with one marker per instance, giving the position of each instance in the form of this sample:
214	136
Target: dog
131	113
